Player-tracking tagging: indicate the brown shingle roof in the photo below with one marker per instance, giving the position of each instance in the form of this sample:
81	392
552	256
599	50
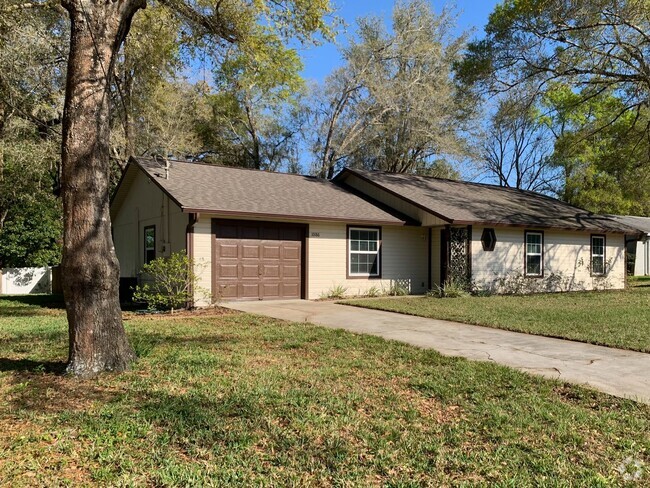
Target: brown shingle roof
209	188
640	223
476	203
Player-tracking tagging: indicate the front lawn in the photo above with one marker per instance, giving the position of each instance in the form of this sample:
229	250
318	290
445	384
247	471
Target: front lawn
242	400
610	318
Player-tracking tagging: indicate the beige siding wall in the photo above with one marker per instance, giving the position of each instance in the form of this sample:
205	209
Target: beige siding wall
566	256
422	216
435	255
404	258
202	244
145	205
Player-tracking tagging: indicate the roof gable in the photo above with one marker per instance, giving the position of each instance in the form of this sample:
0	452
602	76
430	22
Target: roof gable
121	192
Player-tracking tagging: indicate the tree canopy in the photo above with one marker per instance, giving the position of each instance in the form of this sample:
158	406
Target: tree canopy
587	65
394	106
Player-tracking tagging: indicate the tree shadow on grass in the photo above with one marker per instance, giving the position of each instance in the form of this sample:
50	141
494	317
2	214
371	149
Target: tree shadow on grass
30	305
43	301
27	312
54	393
31	366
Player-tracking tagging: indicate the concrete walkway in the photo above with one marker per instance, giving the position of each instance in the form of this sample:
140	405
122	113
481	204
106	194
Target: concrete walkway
614	371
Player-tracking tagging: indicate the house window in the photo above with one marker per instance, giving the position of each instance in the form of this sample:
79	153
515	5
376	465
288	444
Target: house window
364	245
149	244
488	239
598	255
534	254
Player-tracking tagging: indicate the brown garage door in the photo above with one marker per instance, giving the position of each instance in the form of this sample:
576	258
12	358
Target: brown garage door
257	260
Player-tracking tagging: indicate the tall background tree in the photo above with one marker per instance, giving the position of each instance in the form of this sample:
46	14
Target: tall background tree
394	106
32	76
256	117
588	62
517	146
605	161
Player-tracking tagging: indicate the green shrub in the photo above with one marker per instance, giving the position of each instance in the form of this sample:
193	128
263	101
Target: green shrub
398	289
337	291
168	283
452	288
374	291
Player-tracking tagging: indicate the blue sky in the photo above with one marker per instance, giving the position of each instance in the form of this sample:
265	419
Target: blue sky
321	60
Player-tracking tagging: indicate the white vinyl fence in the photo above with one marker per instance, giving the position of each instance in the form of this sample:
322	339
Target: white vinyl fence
642	259
22	281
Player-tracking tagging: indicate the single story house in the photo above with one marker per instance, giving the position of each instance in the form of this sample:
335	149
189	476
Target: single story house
638	249
263	235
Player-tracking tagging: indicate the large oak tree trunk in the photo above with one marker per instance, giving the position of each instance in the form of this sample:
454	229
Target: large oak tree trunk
90	268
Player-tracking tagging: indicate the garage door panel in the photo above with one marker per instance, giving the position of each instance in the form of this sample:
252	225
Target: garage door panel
290	271
270	271
290	251
227	292
271	290
271	251
250	270
228	270
249	290
257	260
227	249
291	290
250	250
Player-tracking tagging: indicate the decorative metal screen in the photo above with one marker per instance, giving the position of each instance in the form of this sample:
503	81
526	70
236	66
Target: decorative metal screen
458	267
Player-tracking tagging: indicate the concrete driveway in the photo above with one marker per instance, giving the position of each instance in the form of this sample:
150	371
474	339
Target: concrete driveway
614	371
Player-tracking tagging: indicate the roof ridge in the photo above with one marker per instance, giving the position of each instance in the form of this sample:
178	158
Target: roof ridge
485	185
214	165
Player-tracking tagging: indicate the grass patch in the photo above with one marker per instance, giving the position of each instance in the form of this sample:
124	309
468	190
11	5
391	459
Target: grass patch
610	318
244	400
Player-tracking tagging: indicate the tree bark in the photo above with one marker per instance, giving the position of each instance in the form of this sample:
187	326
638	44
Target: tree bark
90	268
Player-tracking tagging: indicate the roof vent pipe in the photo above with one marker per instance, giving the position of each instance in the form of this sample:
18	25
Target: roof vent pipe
166	168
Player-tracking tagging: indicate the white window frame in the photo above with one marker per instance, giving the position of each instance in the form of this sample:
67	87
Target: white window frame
377	231
592	254
540	253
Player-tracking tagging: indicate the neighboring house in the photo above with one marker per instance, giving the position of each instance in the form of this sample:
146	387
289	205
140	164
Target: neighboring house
263	235
638	249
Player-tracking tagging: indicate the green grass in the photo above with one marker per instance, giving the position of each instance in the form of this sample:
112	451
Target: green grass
610	318
244	400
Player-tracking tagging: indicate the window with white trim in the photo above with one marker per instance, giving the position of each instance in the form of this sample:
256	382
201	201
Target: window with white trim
597	255
363	248
534	254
